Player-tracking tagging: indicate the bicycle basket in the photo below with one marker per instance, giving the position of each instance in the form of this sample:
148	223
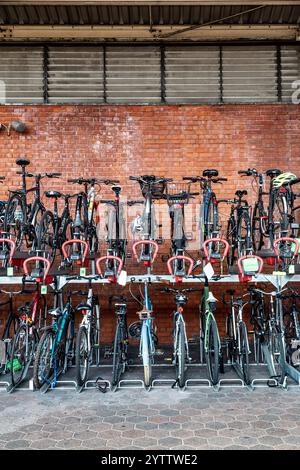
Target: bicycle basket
178	193
157	189
283	179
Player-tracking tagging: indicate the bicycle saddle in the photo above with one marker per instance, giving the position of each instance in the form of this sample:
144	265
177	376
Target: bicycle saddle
55	194
210	173
116	189
82	306
22	161
241	193
230	291
272	173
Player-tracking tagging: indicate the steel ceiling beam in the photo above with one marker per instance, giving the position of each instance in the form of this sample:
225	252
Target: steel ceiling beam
151	2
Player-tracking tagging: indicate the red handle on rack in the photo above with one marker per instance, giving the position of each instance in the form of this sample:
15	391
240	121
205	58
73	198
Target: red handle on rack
286	239
37	258
215	240
259	259
185	258
102	258
75	240
145	242
13	247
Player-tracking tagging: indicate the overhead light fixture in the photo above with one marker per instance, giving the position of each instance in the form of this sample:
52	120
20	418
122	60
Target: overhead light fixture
17	126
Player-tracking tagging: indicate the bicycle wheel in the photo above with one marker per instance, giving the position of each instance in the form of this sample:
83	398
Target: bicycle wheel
43	364
211	224
244	352
118	365
15	216
258	228
279	218
21	354
231	238
82	356
212	353
244	239
180	357
46	242
146	354
277	351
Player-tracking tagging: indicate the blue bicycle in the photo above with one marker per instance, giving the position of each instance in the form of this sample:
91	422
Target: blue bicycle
56	345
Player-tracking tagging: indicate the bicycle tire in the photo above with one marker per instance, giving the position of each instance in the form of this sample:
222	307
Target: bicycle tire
146	356
211	224
278	353
117	356
180	360
278	228
43	372
81	354
18	356
212	353
244	353
230	237
14	226
46	243
257	229
244	247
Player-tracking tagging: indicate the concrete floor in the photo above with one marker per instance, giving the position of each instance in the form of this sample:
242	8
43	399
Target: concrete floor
233	418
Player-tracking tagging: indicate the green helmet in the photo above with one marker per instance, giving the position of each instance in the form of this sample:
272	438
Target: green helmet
283	179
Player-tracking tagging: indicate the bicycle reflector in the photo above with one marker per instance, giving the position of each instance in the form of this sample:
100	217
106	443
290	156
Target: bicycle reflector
249	266
283	179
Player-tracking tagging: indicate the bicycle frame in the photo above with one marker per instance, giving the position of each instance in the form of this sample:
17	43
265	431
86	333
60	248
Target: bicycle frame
147	330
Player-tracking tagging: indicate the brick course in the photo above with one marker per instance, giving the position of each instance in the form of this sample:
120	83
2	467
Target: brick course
118	141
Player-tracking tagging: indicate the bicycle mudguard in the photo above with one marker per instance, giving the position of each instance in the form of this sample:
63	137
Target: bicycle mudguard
109	274
80	260
294	246
178	278
36	273
4	255
150	260
249	266
211	258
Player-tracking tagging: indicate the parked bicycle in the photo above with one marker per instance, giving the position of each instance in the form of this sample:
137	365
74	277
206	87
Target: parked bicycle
10	329
22	219
120	344
237	335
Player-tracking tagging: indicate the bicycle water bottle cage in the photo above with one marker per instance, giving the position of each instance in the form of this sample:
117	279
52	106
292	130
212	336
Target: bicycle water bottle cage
7	250
39	274
289	248
78	251
111	273
180	273
249	266
147	258
283	179
215	254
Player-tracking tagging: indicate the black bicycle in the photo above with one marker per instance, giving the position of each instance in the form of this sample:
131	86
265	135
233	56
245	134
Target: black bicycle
22	219
239	233
120	345
10	329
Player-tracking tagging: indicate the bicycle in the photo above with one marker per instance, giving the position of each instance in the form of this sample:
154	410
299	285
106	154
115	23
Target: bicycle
181	348
274	221
84	226
32	319
177	197
87	345
10	329
120	344
21	220
116	230
56	346
237	336
292	327
239	230
54	229
147	334
153	188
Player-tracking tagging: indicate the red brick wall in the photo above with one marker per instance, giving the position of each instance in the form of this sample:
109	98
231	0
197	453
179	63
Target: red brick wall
118	141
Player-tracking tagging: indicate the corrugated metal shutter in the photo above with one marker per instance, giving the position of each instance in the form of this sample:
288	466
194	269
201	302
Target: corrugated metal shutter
75	74
133	74
250	74
21	75
290	71
192	74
